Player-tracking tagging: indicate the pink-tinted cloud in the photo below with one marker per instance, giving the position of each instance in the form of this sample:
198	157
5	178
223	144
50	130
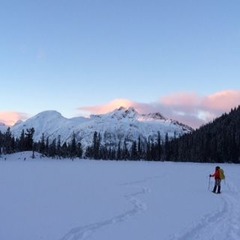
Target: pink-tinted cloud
108	107
10	118
196	110
180	99
222	101
117	103
188	108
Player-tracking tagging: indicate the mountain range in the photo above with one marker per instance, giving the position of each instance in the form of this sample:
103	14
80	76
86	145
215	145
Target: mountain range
117	126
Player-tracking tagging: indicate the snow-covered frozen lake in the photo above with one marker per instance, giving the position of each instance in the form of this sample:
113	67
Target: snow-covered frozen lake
45	199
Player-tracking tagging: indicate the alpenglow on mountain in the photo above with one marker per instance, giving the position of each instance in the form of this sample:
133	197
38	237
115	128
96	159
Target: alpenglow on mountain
121	125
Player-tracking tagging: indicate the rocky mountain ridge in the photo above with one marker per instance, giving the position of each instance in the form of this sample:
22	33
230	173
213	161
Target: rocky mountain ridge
118	126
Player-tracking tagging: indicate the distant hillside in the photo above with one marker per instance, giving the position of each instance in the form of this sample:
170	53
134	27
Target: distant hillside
218	141
3	127
120	126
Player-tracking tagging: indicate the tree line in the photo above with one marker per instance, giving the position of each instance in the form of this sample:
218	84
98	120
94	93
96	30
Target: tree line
141	149
55	148
218	141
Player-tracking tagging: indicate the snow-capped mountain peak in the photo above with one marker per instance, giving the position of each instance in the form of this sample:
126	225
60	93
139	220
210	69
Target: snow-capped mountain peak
50	115
124	113
118	126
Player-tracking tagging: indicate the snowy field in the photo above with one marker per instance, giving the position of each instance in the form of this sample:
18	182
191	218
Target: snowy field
45	199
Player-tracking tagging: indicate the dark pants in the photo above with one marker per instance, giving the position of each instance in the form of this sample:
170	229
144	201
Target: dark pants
217	186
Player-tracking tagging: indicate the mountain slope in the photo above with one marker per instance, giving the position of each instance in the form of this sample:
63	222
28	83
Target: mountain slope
3	127
218	141
117	126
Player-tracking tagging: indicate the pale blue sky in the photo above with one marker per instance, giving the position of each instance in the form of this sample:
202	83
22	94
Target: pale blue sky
68	54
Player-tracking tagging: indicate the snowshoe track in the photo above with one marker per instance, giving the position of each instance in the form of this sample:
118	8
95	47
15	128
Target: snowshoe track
83	232
221	225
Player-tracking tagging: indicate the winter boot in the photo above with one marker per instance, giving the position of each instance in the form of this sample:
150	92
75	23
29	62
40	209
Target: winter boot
214	189
219	189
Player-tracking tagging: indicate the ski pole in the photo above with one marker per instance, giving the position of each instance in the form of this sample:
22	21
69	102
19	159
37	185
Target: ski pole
208	183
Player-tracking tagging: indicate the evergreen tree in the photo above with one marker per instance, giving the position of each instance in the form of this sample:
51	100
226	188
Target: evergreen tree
59	149
73	146
52	148
7	143
126	154
134	152
1	142
167	148
96	145
46	152
42	148
119	151
79	151
22	142
29	138
140	148
218	141
64	151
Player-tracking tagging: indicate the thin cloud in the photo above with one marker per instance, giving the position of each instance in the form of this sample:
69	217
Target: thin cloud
222	101
102	109
10	118
195	110
181	99
188	108
117	103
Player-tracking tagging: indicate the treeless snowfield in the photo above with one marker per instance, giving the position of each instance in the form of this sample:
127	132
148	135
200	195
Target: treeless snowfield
46	199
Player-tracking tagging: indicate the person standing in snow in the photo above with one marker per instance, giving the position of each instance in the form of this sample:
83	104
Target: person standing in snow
217	177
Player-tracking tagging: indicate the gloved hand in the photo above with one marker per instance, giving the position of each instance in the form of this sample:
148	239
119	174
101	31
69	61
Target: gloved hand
210	175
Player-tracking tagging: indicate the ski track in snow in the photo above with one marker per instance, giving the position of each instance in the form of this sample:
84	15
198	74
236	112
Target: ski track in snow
221	225
83	232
